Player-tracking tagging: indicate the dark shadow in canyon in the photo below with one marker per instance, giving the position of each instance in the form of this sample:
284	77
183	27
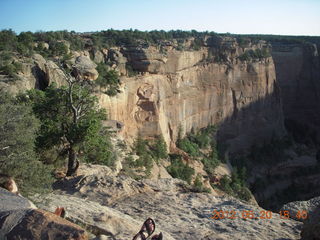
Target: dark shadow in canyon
257	137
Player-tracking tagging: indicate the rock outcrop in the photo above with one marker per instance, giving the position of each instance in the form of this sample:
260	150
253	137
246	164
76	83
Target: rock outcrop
176	85
84	68
308	206
19	219
311	226
36	72
178	213
192	89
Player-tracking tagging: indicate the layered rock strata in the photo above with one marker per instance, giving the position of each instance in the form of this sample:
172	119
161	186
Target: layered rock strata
193	89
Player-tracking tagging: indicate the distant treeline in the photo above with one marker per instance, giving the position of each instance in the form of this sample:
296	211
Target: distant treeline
24	43
280	38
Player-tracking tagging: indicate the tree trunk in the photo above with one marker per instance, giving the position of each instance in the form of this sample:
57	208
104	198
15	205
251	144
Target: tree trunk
73	163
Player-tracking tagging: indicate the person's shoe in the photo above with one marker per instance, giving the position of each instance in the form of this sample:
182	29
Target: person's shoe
146	230
157	237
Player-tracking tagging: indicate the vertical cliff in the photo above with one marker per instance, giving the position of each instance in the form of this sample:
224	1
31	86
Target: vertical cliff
196	88
186	83
298	74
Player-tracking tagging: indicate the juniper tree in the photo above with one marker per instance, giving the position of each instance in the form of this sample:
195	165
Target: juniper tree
70	118
18	159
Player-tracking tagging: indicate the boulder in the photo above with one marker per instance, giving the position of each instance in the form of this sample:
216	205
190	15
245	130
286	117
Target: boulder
85	68
98	56
311	227
19	219
298	206
37	225
10	201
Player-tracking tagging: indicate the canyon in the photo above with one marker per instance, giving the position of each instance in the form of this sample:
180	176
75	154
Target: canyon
253	91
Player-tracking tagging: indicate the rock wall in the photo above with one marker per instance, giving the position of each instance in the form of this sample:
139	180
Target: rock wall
192	89
298	74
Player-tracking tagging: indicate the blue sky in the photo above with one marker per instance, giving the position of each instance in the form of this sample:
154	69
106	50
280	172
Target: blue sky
285	17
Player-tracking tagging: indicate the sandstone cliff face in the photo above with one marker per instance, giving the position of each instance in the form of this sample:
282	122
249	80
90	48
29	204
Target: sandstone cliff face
184	88
191	89
298	74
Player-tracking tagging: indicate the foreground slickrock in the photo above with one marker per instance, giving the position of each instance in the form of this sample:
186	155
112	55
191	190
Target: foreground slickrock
20	220
178	213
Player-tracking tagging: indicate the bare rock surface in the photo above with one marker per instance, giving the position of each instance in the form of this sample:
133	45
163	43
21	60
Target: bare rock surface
20	220
311	227
39	224
98	219
116	206
188	216
85	68
294	207
10	201
98	183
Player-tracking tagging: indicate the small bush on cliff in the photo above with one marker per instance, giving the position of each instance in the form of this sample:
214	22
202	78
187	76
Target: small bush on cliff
140	146
236	185
145	159
18	127
198	185
211	162
259	54
159	148
108	79
189	147
178	169
196	44
11	69
203	139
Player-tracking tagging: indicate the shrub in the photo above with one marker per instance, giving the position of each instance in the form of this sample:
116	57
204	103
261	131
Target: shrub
145	156
159	148
18	127
225	184
98	149
178	169
189	147
198	185
254	54
8	40
140	146
196	44
236	185
211	162
108	79
11	69
58	48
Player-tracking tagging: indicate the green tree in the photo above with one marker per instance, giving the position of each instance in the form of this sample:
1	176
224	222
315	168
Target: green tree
178	169
8	40
70	118
159	149
108	79
18	128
